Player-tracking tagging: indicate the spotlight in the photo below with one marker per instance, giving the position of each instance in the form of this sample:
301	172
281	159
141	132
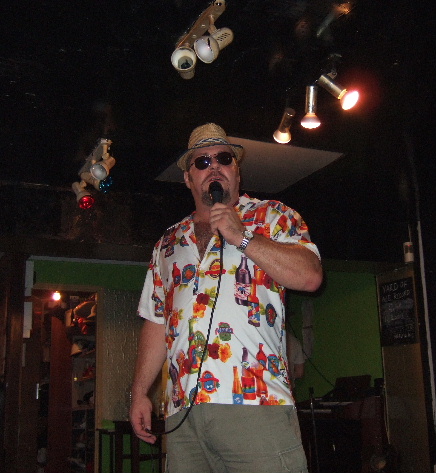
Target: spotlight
310	120
83	197
347	98
283	134
101	161
207	48
101	169
184	59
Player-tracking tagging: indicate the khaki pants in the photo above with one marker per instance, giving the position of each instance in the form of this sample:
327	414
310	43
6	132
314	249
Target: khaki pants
232	438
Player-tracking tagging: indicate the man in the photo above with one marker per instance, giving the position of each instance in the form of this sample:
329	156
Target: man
219	322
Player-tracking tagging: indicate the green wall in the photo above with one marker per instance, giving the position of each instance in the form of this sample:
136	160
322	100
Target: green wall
121	276
346	323
346	331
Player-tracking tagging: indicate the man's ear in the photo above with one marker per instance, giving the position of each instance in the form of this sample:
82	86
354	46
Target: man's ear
186	179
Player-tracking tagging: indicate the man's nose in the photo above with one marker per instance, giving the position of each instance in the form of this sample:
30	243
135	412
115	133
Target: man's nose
214	163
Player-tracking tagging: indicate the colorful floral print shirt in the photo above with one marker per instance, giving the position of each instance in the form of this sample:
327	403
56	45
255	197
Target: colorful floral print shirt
245	359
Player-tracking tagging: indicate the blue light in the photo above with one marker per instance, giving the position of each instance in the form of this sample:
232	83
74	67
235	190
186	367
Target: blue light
106	184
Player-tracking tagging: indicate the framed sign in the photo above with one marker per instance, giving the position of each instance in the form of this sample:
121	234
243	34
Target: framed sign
397	308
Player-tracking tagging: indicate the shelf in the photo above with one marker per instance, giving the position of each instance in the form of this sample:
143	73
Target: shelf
83	389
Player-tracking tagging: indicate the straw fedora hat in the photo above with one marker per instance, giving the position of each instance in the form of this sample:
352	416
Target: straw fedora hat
205	136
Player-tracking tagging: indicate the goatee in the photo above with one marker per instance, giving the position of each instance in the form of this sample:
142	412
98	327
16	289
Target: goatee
207	199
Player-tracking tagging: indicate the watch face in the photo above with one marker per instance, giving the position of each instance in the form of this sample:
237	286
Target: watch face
248	234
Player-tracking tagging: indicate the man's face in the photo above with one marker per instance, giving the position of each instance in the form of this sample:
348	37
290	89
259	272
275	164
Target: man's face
198	180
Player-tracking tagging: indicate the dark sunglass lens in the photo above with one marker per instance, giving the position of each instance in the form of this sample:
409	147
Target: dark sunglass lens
202	162
224	158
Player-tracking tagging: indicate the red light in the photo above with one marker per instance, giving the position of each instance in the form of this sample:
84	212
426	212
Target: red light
86	202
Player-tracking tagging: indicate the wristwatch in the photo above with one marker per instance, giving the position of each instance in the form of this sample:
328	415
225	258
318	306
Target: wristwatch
248	236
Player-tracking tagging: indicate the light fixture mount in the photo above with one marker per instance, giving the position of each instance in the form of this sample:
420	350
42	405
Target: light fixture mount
202	24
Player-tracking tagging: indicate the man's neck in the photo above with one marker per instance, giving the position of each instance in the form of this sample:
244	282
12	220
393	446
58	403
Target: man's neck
201	214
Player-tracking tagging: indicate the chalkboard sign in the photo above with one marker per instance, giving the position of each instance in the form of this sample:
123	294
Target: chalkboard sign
397	311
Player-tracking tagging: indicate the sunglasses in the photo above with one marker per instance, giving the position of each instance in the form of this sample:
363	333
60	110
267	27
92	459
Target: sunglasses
203	162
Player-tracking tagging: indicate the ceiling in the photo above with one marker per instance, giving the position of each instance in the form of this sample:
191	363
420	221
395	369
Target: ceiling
73	72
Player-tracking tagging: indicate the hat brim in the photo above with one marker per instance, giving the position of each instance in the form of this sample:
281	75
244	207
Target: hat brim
183	159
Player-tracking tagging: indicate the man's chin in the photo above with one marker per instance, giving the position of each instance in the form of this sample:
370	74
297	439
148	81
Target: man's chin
207	199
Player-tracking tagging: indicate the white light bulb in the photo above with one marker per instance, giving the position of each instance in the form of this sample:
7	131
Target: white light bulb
207	49
349	99
282	137
99	171
310	121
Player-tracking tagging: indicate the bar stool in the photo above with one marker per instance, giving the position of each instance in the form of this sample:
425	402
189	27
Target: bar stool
111	435
124	428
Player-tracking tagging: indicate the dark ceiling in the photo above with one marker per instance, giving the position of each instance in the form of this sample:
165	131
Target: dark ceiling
72	71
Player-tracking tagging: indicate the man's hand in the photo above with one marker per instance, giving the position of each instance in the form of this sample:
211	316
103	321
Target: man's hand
140	418
225	220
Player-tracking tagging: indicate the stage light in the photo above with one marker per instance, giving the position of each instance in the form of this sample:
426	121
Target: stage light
207	48
83	197
283	133
101	169
184	59
310	120
56	296
347	98
101	160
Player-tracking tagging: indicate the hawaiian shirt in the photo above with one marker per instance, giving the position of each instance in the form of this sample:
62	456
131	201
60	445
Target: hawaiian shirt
238	357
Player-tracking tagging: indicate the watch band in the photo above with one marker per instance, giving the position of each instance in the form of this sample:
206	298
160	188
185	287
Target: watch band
248	236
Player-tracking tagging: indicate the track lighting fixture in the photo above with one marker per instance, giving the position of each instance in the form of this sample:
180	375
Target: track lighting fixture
95	172
347	98
310	120
283	133
193	44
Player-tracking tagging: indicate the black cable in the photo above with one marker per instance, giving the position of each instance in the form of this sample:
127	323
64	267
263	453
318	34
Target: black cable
188	410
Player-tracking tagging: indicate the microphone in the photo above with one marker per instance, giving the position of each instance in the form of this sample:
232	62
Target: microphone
216	192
